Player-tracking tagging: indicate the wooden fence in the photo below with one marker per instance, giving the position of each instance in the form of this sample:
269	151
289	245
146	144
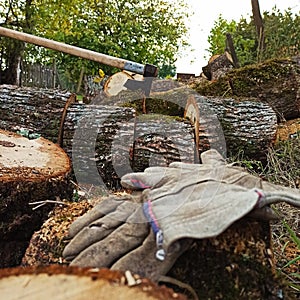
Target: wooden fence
50	77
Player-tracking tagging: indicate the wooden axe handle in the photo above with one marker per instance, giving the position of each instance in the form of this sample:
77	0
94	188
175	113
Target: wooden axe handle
80	52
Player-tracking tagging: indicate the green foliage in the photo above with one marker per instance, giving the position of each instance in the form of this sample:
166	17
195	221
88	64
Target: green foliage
16	15
282	36
292	277
167	71
148	31
243	34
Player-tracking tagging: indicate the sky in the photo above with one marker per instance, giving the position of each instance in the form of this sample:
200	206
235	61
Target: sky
201	22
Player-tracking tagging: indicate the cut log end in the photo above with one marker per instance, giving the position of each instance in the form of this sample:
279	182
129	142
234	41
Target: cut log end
30	160
62	282
30	171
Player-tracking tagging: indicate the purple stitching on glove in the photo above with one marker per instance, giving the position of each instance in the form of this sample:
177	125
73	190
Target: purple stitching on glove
139	184
261	197
148	212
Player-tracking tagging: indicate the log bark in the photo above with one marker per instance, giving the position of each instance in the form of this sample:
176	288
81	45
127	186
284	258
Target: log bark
160	140
228	125
58	282
31	170
275	82
38	111
93	136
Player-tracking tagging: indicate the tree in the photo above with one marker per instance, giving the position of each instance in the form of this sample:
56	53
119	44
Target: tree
280	32
259	25
16	14
143	31
166	71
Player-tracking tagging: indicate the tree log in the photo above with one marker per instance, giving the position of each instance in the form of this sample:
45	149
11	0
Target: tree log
275	82
218	66
58	282
229	125
161	140
92	136
36	110
31	170
247	126
238	264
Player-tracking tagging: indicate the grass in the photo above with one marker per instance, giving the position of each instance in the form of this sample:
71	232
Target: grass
283	168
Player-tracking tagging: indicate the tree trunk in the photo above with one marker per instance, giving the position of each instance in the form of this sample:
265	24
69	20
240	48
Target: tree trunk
31	170
230	48
58	282
11	73
275	82
259	25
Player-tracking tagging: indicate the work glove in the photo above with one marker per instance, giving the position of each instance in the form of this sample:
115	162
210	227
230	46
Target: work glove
116	234
181	202
202	200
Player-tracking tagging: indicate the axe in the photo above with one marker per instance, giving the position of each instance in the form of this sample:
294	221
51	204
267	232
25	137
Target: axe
148	71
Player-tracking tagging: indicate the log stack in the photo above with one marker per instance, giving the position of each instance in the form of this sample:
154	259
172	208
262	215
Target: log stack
99	138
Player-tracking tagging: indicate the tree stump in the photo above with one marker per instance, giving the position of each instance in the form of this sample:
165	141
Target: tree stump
237	264
58	282
31	170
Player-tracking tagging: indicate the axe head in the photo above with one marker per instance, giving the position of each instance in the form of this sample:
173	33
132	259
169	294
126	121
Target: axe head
129	80
150	71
